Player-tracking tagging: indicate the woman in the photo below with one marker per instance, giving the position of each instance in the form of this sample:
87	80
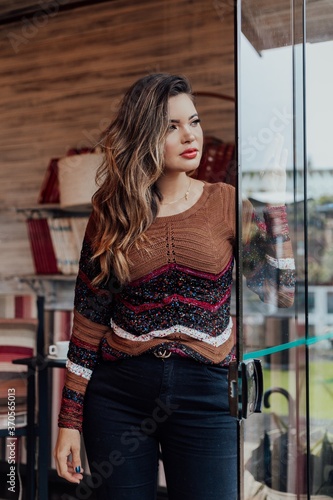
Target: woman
152	336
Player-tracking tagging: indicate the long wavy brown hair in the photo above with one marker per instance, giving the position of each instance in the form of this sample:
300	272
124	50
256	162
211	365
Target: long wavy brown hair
126	203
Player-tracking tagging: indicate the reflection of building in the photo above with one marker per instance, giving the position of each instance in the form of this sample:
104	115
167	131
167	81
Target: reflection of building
320	309
319	182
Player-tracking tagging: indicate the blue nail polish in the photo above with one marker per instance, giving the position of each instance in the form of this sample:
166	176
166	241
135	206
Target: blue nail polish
77	469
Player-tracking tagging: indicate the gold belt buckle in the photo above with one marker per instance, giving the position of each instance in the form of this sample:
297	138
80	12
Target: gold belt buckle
162	353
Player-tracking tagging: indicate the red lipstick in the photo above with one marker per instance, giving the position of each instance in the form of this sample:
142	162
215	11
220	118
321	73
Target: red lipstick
189	153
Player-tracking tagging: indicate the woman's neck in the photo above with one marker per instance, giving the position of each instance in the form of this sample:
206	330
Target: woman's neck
178	194
174	187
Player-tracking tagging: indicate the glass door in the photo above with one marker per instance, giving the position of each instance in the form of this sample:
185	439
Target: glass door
272	138
284	82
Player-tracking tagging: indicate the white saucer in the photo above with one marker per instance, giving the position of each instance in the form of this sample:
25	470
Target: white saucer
53	356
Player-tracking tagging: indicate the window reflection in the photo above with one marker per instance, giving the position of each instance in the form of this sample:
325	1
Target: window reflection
296	345
319	79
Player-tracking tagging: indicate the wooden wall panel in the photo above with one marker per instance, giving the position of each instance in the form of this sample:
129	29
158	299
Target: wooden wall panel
61	82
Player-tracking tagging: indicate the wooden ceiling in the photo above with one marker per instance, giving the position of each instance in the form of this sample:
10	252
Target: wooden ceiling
273	23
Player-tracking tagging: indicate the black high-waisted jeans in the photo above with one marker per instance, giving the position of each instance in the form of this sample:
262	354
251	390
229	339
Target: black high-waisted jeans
135	407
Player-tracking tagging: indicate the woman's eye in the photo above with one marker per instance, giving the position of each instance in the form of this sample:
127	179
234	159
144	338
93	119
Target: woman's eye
172	127
195	122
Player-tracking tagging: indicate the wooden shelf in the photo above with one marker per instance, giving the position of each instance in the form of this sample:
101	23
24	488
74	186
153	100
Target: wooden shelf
55	209
47	277
57	289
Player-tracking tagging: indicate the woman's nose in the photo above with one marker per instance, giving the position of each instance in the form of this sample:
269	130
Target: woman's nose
188	136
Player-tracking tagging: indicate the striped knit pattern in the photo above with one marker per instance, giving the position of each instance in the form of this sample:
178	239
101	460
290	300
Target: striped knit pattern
179	293
174	295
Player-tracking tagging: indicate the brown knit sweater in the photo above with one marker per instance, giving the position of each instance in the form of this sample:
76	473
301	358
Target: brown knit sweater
179	293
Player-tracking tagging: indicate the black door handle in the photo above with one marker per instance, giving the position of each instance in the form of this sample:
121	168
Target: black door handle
246	386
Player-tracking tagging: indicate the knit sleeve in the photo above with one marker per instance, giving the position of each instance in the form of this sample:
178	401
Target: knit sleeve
91	323
268	262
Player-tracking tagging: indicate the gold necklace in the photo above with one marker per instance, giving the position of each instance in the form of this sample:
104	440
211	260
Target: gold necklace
184	196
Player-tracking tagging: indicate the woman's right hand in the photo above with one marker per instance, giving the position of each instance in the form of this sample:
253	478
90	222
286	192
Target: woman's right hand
67	455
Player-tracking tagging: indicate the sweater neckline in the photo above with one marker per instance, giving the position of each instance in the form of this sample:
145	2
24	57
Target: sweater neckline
189	211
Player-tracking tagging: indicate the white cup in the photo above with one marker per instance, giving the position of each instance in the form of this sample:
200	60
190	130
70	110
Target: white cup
59	349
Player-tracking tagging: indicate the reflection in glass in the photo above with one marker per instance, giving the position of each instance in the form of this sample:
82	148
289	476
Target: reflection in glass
270	74
319	81
284	457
